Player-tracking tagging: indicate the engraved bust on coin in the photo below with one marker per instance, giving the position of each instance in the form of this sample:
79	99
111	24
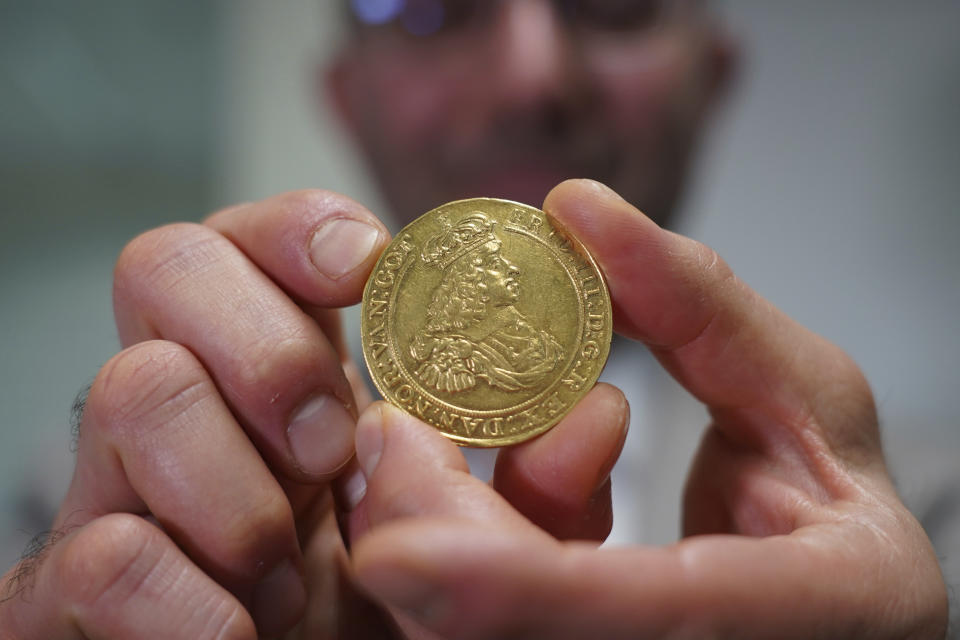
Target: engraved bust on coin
485	320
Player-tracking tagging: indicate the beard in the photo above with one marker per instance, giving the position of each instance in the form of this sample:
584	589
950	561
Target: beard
522	155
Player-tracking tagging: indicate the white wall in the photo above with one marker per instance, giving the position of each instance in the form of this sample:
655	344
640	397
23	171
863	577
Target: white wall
276	132
834	187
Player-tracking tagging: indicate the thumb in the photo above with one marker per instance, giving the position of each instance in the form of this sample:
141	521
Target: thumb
557	482
762	375
476	580
413	471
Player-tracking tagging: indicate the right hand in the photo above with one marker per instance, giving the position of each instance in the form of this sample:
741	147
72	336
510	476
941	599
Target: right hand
200	504
222	421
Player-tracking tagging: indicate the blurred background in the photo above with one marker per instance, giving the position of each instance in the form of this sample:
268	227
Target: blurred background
831	183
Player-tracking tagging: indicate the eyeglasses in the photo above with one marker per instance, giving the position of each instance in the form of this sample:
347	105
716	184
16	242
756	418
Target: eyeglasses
425	18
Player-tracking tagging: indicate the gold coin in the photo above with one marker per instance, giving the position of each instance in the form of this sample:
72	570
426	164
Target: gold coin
486	320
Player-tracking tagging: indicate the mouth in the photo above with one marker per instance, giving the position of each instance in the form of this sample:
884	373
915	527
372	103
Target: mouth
525	184
526	171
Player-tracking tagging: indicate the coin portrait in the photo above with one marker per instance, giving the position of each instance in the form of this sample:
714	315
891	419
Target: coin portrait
485	320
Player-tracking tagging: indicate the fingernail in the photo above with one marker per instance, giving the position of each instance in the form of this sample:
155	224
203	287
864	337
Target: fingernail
320	435
418	597
278	600
370	439
341	245
352	488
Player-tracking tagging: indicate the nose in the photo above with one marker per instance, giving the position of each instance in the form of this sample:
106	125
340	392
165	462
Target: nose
531	52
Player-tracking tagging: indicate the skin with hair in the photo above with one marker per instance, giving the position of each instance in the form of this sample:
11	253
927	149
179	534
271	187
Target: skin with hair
229	455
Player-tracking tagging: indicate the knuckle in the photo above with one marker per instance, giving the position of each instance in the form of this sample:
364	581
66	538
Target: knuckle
120	559
843	410
264	525
114	551
854	377
706	283
236	624
274	359
308	202
849	392
162	257
712	268
147	384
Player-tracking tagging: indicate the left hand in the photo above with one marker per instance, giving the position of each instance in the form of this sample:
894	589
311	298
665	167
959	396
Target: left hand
794	529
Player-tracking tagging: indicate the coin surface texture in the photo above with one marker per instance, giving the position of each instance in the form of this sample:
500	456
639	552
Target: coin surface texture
486	320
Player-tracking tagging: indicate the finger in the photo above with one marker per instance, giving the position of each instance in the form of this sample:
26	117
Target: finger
337	608
273	365
728	346
561	480
466	580
412	470
331	324
447	549
157	438
117	577
317	245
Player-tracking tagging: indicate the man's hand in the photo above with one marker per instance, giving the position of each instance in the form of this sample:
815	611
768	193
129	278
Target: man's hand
793	528
208	443
201	503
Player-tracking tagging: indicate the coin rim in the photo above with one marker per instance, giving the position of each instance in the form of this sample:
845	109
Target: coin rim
515	438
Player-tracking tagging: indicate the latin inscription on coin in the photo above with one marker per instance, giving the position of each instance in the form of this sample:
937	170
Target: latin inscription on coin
485	320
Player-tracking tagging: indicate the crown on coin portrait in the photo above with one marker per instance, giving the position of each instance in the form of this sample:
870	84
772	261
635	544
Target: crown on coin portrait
456	240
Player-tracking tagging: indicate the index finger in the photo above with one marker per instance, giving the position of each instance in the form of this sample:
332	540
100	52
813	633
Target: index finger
317	245
761	374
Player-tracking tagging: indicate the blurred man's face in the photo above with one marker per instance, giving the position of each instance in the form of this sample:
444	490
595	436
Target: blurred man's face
461	98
